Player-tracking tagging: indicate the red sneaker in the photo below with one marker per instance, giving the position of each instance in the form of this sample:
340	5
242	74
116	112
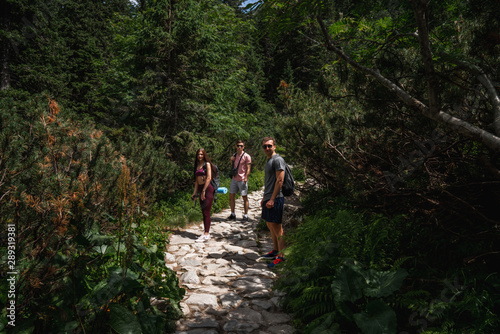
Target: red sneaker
278	260
271	255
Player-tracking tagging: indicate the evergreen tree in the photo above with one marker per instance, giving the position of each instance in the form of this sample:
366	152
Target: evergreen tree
62	48
193	59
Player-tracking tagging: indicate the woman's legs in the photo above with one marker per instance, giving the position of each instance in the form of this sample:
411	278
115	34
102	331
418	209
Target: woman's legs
206	207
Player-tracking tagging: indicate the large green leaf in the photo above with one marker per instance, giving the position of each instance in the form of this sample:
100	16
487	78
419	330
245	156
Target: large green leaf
152	323
379	318
123	320
323	325
348	284
383	283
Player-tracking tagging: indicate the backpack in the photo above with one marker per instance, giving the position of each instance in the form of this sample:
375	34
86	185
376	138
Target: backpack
288	183
214	181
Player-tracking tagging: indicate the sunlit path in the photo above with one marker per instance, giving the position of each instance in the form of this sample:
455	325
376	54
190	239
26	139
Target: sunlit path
229	289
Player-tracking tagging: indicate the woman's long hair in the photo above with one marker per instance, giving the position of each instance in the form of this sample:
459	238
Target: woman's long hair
207	160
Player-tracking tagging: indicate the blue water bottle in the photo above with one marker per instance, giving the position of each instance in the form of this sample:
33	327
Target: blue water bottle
222	190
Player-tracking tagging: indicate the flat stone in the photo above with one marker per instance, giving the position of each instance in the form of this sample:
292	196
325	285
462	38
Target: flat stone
237	268
226	272
209	269
252	284
173	248
246	286
247	243
239	327
204	300
218	313
251	256
190	277
180	253
198	246
214	289
276	301
191	286
176	239
215	280
171	266
222	262
169	257
233	249
217	255
190	262
262	304
245	314
254	272
275	318
258	294
203	323
223	226
255	279
214	246
230	300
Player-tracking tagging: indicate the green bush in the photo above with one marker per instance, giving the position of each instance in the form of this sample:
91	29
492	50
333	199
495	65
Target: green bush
316	254
77	201
298	174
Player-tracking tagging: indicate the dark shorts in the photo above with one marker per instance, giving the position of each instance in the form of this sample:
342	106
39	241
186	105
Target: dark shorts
275	214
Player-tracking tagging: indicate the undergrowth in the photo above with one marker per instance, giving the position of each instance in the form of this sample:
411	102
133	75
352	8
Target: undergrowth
348	271
88	257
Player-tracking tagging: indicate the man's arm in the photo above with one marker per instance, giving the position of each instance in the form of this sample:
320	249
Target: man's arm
249	166
280	175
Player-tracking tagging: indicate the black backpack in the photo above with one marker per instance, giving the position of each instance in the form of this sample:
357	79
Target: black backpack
214	181
288	183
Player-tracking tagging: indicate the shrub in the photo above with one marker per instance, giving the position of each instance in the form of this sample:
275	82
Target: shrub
316	254
77	202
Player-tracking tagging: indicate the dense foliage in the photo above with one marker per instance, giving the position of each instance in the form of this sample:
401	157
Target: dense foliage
389	108
82	247
102	110
362	131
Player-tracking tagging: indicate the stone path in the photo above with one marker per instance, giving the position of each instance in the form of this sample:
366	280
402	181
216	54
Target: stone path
228	287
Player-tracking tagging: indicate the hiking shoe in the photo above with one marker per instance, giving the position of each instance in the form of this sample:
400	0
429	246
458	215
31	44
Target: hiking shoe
278	260
244	219
271	255
231	217
203	238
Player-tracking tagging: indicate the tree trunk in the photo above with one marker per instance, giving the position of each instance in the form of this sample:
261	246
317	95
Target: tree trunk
421	14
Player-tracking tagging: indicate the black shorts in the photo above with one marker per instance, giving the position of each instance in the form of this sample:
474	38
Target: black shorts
275	214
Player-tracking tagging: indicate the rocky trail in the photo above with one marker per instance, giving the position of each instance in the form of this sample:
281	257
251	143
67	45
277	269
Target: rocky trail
229	288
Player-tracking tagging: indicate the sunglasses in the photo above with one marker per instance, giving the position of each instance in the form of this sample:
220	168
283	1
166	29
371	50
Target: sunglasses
266	146
240	145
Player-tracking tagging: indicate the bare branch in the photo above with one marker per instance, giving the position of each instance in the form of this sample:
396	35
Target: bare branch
490	89
454	123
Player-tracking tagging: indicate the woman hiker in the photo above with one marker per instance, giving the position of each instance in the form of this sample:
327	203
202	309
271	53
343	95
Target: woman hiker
202	175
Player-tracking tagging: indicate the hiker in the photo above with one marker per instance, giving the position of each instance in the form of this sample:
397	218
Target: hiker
241	164
273	200
203	189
